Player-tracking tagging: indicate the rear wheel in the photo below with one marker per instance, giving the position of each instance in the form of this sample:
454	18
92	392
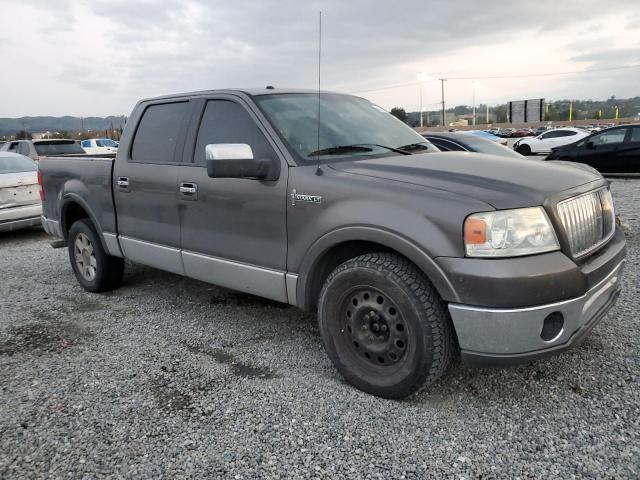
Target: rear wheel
524	150
384	326
95	270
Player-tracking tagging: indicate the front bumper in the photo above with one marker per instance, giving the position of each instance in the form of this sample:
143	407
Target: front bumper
16	218
498	336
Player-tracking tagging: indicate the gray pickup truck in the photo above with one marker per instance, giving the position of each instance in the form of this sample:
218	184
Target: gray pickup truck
409	256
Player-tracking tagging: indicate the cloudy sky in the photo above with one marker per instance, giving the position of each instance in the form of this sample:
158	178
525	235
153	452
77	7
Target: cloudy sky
97	57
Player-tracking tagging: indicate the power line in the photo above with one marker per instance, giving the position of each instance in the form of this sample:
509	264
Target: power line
532	75
497	77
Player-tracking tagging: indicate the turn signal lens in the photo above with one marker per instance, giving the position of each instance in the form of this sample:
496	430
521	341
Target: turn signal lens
475	231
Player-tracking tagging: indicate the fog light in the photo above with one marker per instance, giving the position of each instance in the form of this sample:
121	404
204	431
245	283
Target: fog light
552	326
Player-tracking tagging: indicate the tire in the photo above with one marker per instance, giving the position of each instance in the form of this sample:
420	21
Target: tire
95	270
524	150
384	326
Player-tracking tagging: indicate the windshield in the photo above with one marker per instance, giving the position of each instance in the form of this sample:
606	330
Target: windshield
350	127
482	145
17	164
57	148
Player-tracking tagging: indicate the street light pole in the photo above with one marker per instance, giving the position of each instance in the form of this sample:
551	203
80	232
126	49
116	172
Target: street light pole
421	110
443	116
474	107
422	77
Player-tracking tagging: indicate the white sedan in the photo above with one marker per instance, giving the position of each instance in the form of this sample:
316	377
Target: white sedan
545	142
20	204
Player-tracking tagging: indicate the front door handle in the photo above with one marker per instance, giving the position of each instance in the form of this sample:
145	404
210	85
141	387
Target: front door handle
123	182
188	190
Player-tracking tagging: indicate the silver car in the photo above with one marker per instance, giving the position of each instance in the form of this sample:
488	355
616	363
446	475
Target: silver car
36	149
20	204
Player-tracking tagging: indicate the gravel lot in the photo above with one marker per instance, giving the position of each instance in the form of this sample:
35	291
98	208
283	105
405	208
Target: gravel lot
173	377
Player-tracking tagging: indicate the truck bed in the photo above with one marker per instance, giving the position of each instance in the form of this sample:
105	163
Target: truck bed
85	179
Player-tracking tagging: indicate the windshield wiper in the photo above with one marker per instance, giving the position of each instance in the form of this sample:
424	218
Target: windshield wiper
415	146
356	147
339	149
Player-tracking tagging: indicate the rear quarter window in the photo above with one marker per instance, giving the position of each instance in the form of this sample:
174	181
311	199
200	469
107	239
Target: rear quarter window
157	134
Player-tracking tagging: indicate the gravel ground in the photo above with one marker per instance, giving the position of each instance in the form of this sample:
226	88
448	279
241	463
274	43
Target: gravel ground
173	377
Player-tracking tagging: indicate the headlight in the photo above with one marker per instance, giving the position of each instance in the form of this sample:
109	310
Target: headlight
509	233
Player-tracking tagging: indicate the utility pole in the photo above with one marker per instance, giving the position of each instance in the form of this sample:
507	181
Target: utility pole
487	113
443	114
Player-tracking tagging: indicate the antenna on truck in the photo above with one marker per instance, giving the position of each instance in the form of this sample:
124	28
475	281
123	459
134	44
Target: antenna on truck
318	169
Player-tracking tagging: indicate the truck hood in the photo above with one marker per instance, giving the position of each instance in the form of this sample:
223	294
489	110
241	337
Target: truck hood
499	181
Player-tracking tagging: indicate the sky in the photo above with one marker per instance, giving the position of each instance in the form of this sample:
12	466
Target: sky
98	57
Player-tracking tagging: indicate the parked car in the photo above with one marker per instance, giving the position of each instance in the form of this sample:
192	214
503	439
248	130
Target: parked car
20	205
506	132
615	150
549	140
522	132
488	136
99	145
408	257
541	130
465	142
37	149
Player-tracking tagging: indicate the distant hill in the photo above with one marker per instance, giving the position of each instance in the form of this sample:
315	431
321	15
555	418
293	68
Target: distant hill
10	126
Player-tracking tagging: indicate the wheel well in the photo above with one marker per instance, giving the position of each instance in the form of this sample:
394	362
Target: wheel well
332	258
72	213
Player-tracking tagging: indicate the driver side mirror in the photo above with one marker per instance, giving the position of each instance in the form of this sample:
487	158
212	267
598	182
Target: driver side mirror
235	160
590	145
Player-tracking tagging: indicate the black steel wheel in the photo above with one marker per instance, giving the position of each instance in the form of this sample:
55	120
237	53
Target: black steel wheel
374	326
384	326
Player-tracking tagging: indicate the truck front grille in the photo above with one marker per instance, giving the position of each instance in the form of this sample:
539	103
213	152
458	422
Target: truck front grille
588	220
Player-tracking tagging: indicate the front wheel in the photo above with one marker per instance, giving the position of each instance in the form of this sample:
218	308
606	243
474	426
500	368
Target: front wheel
524	150
384	326
95	270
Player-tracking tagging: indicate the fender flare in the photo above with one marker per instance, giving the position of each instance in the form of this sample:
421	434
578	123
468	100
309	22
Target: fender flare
68	199
386	238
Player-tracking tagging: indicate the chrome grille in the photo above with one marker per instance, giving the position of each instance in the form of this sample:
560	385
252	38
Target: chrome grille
588	220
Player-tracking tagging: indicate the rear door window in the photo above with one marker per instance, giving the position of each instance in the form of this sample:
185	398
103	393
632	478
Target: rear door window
635	134
158	131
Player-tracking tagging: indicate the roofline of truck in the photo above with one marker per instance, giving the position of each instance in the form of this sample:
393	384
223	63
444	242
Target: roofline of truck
247	91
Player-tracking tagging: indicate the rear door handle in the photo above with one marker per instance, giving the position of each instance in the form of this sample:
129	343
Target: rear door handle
188	190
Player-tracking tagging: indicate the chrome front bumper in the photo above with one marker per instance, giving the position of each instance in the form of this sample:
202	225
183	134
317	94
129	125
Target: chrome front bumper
503	336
